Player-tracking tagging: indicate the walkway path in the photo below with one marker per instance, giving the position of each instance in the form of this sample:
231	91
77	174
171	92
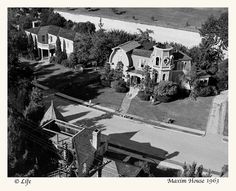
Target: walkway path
216	120
127	100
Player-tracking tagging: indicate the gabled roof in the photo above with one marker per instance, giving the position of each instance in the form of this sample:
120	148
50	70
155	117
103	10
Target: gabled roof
33	30
180	56
51	114
142	52
54	30
128	46
68	34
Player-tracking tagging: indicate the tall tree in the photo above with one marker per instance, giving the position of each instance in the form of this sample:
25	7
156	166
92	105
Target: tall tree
82	49
35	47
215	30
35	110
144	36
30	46
64	46
58	47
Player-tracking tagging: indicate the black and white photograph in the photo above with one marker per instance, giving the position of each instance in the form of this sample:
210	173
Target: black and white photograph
117	92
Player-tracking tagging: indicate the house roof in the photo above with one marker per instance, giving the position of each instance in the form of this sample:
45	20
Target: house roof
180	56
139	72
51	114
68	34
54	30
33	30
128	46
142	52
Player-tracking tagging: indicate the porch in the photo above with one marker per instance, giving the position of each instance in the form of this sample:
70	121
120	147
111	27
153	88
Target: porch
135	77
45	51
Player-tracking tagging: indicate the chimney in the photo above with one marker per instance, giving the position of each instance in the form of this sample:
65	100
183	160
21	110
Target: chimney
96	138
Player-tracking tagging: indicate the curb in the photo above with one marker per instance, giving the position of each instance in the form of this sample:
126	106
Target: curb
168	126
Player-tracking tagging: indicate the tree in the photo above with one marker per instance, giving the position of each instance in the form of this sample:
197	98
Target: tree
99	51
144	36
17	41
178	47
64	50
30	47
58	47
194	171
165	91
107	75
35	47
216	30
222	76
100	25
35	110
73	60
82	49
147	82
85	27
48	17
118	73
30	153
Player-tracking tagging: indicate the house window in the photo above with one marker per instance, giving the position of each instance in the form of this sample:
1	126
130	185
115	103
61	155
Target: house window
50	38
157	61
43	38
164	76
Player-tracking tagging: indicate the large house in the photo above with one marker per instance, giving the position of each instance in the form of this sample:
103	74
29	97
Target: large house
164	63
46	37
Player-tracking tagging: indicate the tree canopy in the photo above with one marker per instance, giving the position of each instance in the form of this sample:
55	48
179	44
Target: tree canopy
215	30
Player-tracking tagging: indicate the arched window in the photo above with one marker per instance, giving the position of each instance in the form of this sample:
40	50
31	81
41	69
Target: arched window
157	61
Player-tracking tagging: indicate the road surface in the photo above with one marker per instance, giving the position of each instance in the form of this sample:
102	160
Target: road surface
210	151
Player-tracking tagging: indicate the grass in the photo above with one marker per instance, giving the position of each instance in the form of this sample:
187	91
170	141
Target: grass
83	86
185	112
167	17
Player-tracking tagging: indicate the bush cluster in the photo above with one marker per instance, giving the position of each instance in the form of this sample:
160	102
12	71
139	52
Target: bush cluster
143	96
119	86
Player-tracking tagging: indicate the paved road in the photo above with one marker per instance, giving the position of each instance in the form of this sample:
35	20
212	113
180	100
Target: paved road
161	34
209	151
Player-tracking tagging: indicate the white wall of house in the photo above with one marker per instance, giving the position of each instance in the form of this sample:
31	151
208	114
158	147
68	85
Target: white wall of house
118	55
33	35
69	45
52	39
139	61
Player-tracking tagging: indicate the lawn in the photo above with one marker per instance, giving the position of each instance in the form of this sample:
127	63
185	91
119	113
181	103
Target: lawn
185	112
83	86
166	17
98	94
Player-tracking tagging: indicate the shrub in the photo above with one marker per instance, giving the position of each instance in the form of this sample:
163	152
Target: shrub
206	91
143	96
166	88
65	63
52	59
119	86
60	57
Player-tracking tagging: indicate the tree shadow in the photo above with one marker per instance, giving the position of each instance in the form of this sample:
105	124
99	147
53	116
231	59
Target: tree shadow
40	73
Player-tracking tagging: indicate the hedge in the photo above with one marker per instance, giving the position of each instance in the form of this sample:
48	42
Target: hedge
143	96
